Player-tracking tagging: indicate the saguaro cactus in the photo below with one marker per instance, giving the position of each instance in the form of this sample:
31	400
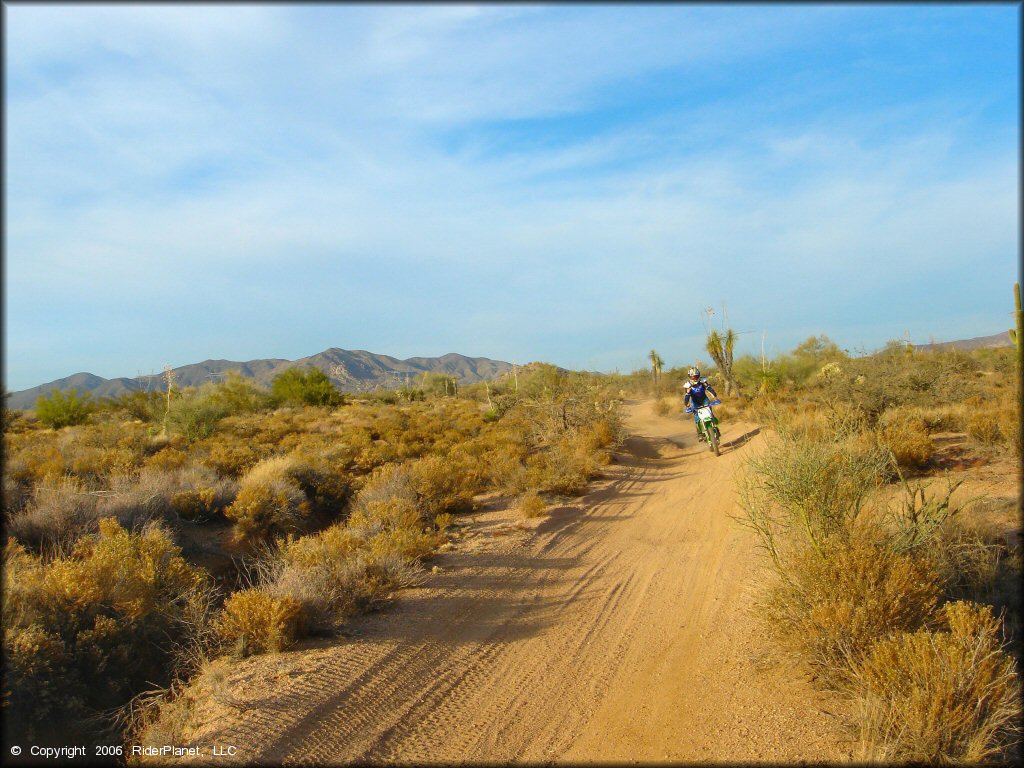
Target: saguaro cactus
1017	335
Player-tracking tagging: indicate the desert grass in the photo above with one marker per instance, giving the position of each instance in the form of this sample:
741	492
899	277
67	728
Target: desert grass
905	434
830	608
859	589
949	695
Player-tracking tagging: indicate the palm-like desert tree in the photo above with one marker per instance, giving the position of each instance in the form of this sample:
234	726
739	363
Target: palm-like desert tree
720	348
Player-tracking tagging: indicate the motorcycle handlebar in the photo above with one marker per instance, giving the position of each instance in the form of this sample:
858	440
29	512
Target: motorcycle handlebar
713	402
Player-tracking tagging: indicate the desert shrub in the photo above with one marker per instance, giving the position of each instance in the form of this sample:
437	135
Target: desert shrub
269	501
60	409
326	485
231	459
661	407
807	422
339	572
57	512
136	499
918	513
565	468
996	424
194	416
194	504
940	696
36	660
254	621
89	630
348	567
968	560
831	608
531	505
600	438
799	489
13	496
944	418
94	464
505	468
236	394
905	434
386	483
385	513
141	405
441	485
166	460
34	462
983	426
305	387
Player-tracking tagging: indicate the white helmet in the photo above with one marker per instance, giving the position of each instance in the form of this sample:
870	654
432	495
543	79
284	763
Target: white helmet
694	375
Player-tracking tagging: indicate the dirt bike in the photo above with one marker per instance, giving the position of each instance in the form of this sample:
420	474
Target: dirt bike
707	423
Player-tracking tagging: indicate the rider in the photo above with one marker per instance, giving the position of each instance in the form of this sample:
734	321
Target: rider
696	391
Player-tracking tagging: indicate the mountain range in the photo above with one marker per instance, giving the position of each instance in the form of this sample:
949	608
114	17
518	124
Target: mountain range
978	342
350	370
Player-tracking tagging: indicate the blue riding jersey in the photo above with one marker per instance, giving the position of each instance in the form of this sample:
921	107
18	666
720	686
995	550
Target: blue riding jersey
698	393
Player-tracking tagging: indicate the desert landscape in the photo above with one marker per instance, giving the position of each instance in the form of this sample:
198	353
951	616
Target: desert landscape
546	567
451	383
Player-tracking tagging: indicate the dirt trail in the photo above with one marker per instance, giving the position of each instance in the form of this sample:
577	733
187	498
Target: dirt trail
614	630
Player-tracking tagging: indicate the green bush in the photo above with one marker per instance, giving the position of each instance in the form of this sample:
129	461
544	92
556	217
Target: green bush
145	406
238	395
61	409
304	387
805	490
195	416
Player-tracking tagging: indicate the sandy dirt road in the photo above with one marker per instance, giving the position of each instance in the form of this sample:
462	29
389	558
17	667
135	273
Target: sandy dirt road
615	630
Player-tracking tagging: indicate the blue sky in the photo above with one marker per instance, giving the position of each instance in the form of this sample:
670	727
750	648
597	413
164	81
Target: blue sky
565	183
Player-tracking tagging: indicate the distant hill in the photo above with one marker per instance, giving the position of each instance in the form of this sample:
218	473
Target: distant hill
350	370
979	342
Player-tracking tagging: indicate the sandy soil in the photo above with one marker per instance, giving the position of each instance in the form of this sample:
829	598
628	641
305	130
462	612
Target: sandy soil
614	629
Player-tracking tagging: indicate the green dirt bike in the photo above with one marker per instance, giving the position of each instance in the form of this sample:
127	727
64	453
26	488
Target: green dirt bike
707	423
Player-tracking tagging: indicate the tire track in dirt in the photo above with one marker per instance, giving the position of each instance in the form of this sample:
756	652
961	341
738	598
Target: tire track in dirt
612	631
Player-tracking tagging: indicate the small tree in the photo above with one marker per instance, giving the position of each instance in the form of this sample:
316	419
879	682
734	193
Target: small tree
63	410
305	387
